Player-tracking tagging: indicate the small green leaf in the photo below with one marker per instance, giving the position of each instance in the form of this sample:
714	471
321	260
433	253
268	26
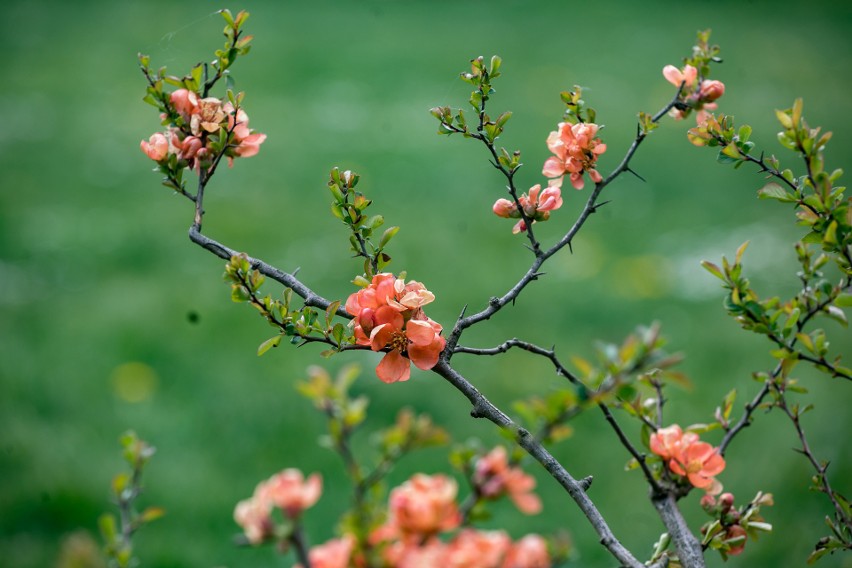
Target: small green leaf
771	191
269	344
387	236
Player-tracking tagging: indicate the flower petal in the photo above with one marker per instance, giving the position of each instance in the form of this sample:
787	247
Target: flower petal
393	368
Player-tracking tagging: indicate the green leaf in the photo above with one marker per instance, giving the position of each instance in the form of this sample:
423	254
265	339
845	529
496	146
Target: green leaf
387	236
269	344
772	191
151	514
108	526
713	269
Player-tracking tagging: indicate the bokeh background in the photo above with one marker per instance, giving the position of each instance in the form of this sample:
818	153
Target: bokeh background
110	319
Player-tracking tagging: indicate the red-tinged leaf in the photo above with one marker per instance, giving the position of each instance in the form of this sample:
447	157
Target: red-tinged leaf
713	269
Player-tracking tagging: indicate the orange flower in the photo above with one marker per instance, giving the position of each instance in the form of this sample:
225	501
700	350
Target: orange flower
537	205
253	516
389	315
675	76
698	461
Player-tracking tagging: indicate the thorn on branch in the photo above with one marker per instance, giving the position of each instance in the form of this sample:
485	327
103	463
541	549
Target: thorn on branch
586	482
637	175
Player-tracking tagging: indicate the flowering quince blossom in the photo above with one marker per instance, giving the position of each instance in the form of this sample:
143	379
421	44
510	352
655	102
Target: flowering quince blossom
419	508
537	206
335	553
495	477
388	314
698	461
576	150
199	118
699	95
477	549
287	490
529	552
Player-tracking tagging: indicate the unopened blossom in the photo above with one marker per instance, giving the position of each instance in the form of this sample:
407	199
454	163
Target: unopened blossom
335	553
495	477
711	90
477	549
698	461
156	147
529	552
576	150
536	205
290	491
388	315
735	532
424	505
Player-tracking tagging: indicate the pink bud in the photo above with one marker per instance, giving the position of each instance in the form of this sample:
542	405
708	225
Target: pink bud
156	148
711	90
504	208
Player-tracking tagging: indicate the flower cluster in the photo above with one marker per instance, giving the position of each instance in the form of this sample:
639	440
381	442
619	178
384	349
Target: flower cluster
698	461
199	126
576	151
494	477
537	206
287	491
733	525
698	94
388	315
425	506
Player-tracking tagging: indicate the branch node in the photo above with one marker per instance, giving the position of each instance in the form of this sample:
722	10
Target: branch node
586	482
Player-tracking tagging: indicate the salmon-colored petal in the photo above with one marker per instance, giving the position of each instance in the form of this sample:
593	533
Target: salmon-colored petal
393	368
381	336
527	503
389	315
553	167
419	332
426	356
673	75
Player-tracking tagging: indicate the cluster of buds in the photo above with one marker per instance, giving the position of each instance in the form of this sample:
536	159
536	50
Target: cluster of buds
575	152
388	316
288	491
685	455
536	206
495	477
697	94
729	531
425	506
201	129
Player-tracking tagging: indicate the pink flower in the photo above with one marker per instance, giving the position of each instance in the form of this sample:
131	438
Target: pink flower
389	316
415	554
208	116
698	461
477	549
711	90
185	102
290	492
156	147
495	477
675	76
422	506
247	142
576	150
335	553
253	516
504	208
529	552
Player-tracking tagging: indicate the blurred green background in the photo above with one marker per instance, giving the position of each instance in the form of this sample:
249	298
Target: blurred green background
110	319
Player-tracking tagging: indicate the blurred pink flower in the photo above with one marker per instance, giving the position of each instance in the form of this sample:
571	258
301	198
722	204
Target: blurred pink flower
290	491
495	477
529	552
253	516
422	506
477	549
711	90
335	553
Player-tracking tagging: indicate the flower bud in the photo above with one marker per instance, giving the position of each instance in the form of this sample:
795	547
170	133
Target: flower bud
711	90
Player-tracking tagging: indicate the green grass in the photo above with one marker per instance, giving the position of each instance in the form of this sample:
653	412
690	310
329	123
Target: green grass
96	270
